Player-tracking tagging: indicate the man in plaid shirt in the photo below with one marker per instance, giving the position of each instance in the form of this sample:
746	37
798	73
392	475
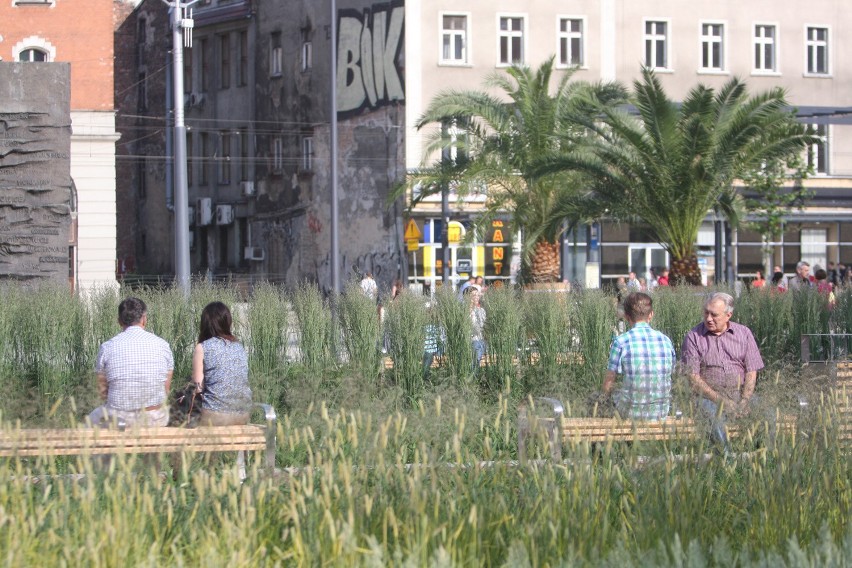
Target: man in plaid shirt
134	371
645	358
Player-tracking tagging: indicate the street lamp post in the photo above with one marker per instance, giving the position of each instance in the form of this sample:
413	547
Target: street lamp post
180	24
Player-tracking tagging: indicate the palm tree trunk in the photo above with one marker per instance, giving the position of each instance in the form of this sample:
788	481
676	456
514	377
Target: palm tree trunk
685	271
544	265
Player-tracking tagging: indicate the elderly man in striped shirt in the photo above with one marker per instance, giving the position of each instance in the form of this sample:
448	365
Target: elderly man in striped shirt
722	360
134	371
645	358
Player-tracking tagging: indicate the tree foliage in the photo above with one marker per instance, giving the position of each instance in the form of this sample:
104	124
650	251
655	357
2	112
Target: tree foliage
497	143
667	164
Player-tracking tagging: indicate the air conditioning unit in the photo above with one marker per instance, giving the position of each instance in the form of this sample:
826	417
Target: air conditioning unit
191	215
224	214
204	211
255	253
248	188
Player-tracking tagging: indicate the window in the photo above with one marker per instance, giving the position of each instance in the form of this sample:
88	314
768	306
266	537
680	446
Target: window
307	153
242	60
818	152
224	61
454	39
141	40
571	42
205	152
814	247
244	155
712	47
32	55
765	52
142	178
816	41
204	65
277	154
276	56
142	92
511	38
657	44
187	70
191	161
306	58
33	49
224	158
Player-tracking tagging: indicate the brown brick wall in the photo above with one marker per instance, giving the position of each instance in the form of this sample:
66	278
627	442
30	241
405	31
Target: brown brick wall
81	31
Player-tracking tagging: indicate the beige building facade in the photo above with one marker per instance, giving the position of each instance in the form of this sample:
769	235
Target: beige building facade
804	49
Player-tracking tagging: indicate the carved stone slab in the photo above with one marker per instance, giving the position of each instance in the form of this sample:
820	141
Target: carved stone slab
35	172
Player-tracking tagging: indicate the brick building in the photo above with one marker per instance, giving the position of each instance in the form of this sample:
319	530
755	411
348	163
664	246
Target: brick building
79	33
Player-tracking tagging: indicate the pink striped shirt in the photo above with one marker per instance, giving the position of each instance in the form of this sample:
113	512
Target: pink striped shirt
721	360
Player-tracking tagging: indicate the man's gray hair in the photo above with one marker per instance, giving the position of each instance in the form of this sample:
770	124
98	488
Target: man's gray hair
721	297
801	264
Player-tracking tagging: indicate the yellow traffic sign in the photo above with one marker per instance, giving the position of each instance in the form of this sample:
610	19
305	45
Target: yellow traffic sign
412	231
413	245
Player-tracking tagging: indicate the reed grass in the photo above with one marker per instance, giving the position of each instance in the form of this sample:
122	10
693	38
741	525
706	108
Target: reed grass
453	314
362	331
547	325
354	500
593	321
313	316
406	322
504	337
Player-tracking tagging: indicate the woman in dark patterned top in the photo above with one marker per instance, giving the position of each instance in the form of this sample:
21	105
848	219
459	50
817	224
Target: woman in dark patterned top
220	370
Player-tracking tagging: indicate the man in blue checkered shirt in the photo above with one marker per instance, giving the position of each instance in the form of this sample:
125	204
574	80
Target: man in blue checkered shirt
134	371
645	359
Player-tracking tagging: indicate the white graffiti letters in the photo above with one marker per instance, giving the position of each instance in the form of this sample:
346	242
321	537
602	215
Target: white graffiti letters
369	45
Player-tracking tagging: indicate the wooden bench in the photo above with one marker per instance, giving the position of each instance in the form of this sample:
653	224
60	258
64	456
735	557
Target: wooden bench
18	443
841	397
595	430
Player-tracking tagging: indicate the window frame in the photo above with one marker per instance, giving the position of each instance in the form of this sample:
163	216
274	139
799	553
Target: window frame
560	36
820	150
524	34
242	59
36	43
224	160
276	55
809	44
277	152
307	161
776	43
203	159
204	65
466	60
224	60
668	66
723	68
306	56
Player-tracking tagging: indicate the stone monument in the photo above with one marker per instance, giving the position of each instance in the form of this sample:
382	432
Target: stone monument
35	172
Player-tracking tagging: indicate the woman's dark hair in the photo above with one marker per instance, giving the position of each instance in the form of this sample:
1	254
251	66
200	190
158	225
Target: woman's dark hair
215	322
776	277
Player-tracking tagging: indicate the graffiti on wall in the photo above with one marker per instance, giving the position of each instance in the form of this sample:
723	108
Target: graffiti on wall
369	50
383	265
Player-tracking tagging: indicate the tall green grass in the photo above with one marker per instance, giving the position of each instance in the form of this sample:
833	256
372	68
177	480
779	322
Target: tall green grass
546	319
406	322
504	336
362	331
313	316
355	500
593	319
453	315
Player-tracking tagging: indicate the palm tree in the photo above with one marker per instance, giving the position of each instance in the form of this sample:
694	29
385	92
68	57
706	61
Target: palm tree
672	164
501	142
